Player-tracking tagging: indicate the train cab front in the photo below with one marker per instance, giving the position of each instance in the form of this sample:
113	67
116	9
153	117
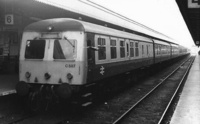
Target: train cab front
50	64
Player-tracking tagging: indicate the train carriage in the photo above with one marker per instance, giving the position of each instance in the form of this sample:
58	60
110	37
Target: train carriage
162	51
66	51
62	55
183	50
174	50
126	52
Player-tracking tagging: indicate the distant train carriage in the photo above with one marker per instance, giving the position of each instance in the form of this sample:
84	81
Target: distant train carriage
174	50
62	55
183	50
162	51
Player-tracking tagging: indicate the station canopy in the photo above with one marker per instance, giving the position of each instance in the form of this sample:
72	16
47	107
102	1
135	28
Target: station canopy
190	10
87	11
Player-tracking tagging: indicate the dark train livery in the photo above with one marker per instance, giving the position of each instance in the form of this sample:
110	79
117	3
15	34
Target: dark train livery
66	54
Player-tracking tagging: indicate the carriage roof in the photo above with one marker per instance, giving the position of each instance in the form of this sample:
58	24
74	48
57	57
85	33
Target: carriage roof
67	24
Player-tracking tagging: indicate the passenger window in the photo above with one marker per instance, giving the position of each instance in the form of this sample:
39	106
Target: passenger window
102	48
131	49
136	49
164	47
160	49
122	49
113	49
142	49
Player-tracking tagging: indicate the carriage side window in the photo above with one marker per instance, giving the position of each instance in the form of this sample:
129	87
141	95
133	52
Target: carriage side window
122	49
160	49
147	49
136	49
164	49
131	49
113	49
168	49
64	49
155	49
102	48
142	49
35	49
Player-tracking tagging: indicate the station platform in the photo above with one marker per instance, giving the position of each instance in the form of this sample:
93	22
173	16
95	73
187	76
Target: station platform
188	108
7	83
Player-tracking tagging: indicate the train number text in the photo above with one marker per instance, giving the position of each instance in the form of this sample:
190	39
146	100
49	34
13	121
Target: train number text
70	65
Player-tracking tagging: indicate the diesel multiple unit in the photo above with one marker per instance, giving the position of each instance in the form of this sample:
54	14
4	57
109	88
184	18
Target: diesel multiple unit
61	55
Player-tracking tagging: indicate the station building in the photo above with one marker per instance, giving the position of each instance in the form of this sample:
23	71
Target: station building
13	19
15	15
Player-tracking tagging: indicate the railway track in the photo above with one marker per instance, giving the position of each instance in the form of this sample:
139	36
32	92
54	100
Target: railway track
114	113
16	120
108	114
125	117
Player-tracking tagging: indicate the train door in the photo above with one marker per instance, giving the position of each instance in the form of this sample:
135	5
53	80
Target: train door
149	50
137	51
90	56
127	49
154	51
147	47
132	48
171	51
143	53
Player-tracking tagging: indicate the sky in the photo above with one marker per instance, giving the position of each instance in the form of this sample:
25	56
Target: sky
161	15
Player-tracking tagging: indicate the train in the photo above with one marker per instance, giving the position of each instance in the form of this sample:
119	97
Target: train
61	56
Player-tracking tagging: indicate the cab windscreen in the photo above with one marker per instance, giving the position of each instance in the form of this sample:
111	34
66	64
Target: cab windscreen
35	49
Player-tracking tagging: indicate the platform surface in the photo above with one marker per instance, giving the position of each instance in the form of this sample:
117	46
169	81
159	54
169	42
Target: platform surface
188	107
7	83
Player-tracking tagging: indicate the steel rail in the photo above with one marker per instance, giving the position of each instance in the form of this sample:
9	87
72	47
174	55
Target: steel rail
20	119
175	93
133	106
